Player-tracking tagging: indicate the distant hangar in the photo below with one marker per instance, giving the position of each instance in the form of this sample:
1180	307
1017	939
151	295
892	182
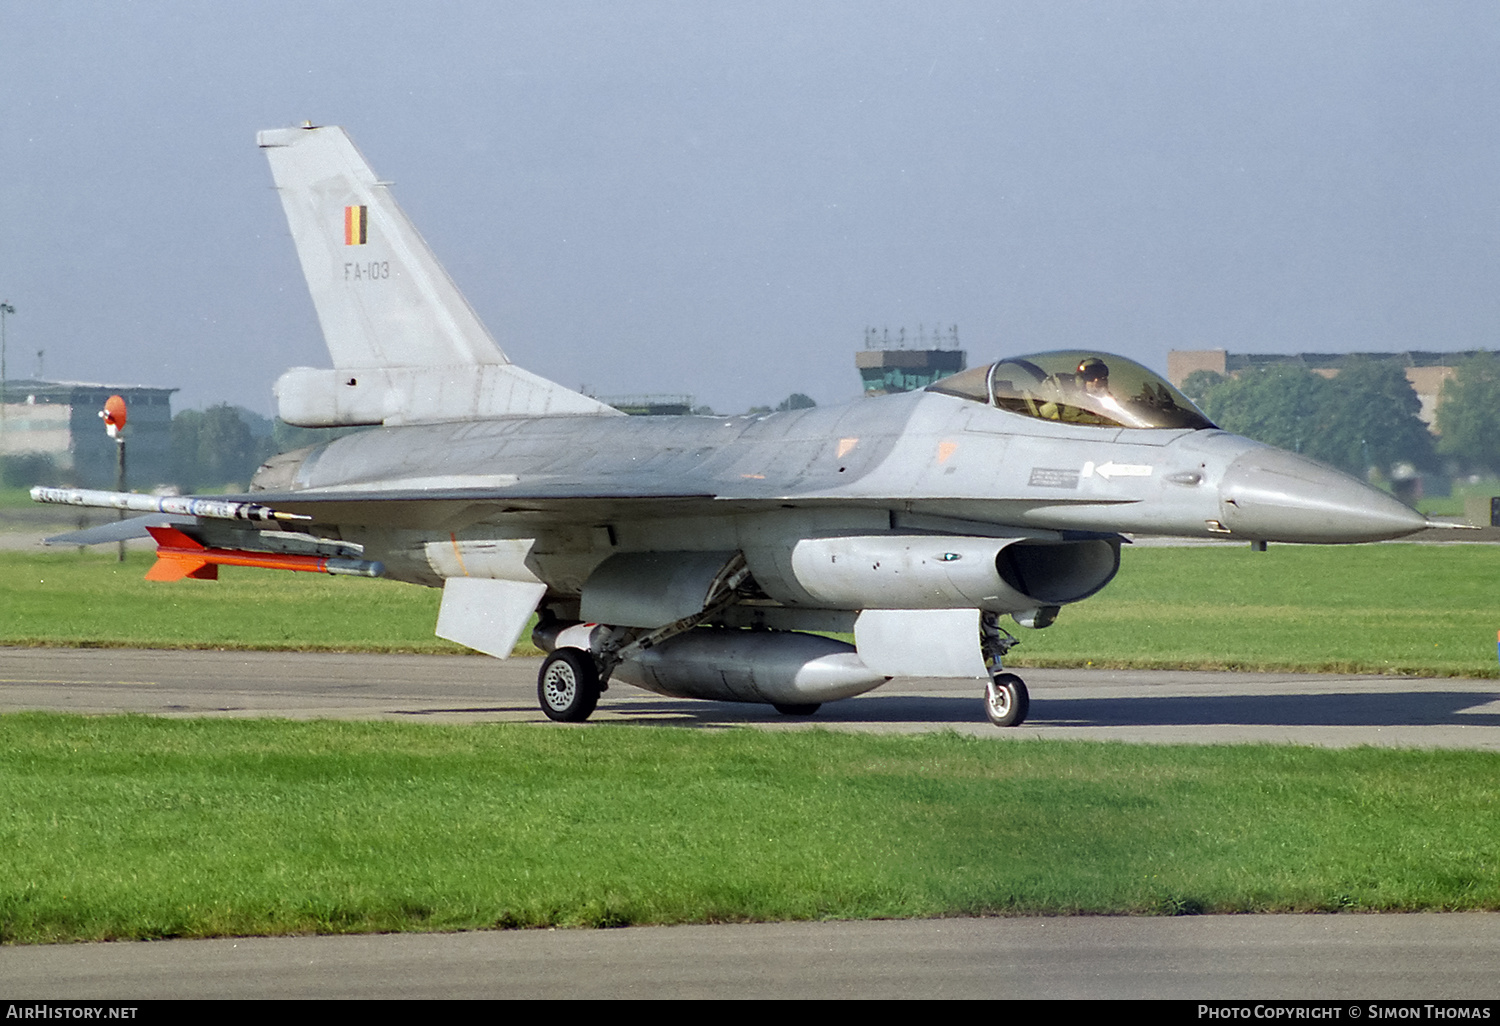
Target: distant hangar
59	420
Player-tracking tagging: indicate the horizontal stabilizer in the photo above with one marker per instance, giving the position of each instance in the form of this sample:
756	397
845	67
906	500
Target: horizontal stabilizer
118	531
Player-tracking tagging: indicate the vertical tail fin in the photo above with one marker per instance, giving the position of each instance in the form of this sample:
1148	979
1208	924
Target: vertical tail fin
405	343
383	299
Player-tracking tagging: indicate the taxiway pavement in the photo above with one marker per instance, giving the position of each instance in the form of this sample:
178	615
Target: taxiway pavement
1332	710
1329	959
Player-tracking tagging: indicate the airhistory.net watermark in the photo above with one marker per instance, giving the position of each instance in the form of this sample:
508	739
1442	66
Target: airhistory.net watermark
69	1010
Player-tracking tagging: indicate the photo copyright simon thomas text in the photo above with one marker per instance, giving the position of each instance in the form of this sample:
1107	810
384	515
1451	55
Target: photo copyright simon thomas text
1356	1010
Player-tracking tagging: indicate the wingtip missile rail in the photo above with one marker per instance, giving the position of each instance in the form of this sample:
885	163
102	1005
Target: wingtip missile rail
179	555
180	505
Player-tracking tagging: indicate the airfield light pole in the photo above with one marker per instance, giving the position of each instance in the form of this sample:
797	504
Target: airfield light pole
113	415
5	308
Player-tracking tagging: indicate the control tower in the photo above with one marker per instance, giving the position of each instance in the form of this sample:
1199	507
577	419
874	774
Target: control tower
902	363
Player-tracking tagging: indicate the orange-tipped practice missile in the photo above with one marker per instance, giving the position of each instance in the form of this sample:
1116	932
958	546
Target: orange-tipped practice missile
179	556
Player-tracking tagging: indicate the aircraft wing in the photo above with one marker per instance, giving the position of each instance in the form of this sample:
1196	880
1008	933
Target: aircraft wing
445	507
558	501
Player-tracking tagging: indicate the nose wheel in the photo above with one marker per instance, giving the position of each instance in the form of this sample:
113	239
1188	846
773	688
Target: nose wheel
1006	700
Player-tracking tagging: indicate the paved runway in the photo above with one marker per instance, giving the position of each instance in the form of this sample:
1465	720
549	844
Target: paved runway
1333	958
1321	958
1115	705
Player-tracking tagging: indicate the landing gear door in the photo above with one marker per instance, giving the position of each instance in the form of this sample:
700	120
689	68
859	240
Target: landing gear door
485	614
920	642
651	589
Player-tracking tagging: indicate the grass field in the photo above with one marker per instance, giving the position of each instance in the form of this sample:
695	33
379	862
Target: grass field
88	599
15	498
129	827
1454	504
1420	609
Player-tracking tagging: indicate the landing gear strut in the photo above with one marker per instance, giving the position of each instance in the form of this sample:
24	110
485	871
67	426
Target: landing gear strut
1006	700
578	670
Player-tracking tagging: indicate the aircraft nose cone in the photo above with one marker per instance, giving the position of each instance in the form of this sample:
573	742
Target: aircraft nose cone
1273	495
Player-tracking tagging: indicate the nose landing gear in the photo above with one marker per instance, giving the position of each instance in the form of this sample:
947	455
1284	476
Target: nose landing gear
1006	700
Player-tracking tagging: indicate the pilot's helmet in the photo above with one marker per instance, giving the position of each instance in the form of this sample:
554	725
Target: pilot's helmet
1092	369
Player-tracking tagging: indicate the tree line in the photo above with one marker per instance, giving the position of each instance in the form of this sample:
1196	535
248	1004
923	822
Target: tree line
1364	418
213	448
224	445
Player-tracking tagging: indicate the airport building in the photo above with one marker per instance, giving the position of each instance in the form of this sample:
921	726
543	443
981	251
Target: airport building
889	364
1426	371
650	405
59	420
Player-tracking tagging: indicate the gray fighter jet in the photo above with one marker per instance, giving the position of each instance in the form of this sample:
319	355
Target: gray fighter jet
706	557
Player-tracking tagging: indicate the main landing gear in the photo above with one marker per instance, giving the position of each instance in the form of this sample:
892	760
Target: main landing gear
578	669
1006	700
568	685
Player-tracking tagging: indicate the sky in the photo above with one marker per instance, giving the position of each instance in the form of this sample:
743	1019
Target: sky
718	198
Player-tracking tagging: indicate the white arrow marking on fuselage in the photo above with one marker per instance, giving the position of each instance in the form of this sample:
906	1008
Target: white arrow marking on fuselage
1109	470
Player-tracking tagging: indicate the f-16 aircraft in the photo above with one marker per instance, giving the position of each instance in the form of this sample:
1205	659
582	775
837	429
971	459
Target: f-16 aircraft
708	557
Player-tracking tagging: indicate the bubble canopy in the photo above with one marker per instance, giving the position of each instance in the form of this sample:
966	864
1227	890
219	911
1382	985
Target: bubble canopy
1077	387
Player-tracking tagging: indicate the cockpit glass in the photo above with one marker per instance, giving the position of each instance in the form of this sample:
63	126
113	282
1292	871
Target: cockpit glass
1077	387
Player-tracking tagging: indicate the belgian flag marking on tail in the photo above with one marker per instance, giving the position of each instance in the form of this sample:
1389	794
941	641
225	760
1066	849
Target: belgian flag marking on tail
356	225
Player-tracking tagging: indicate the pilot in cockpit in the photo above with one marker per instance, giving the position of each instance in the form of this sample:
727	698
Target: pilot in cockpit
1094	373
1083	397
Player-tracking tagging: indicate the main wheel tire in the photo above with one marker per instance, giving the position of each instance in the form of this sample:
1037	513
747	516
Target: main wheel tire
1006	701
796	709
568	685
